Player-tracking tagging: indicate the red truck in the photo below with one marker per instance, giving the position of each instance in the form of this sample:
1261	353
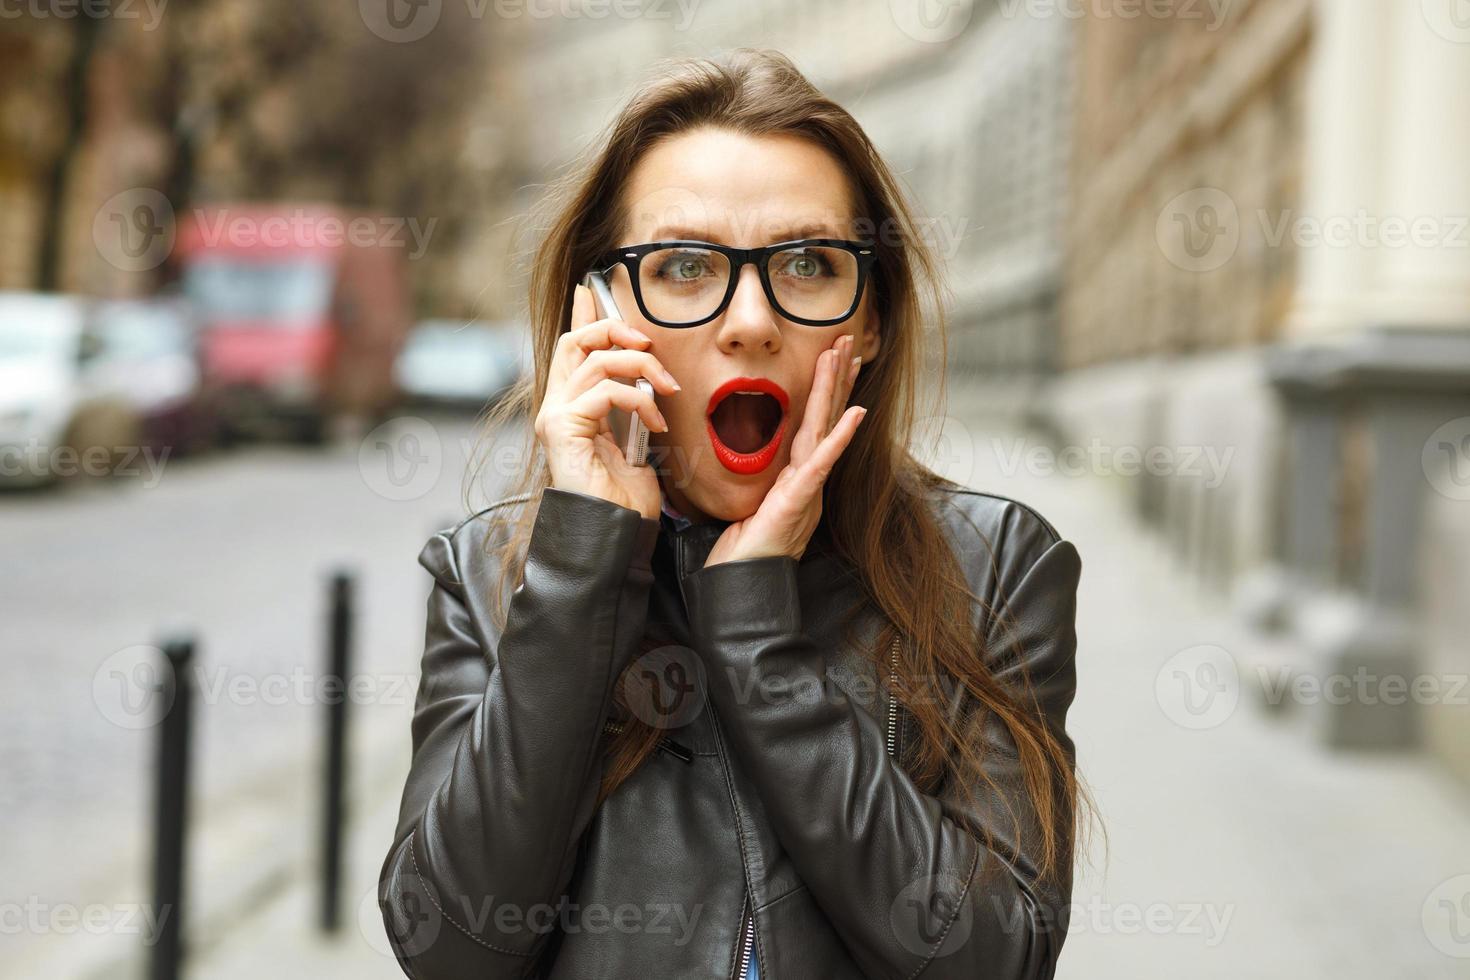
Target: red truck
303	310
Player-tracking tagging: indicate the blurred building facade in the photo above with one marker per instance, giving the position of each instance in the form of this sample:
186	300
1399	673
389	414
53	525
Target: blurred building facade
72	134
972	110
111	114
1166	227
1267	260
1139	218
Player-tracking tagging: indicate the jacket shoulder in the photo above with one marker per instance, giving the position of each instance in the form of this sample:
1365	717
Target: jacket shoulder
454	552
986	525
1000	542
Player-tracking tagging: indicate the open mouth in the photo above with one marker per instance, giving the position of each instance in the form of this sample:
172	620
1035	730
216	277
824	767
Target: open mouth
746	422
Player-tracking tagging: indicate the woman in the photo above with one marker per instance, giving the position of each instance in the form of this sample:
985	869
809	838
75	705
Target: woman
783	704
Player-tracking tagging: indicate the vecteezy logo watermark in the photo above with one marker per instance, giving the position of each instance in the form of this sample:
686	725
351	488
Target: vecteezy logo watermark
1446	459
1199	230
135	687
926	911
408	908
1362	229
665	687
1446	917
945	445
1198	687
1362	686
944	233
1212	12
405	21
1450	19
400	21
1207	464
683	207
931	21
37	460
91	9
1203	919
38	917
401	459
414	912
134	229
301	228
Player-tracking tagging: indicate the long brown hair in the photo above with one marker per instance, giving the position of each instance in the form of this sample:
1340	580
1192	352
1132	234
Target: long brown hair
899	552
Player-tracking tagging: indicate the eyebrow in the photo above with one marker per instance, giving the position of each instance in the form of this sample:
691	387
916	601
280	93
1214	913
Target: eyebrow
810	229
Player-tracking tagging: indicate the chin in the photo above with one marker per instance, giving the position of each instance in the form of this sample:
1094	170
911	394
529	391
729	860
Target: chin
729	502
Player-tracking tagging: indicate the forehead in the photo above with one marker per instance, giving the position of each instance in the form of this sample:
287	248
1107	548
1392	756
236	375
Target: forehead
738	190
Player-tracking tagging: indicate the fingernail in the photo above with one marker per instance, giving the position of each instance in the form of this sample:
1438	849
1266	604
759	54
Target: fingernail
862	413
672	381
641	335
852	371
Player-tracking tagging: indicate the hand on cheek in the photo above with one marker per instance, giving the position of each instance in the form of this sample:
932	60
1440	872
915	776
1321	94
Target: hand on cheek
792	508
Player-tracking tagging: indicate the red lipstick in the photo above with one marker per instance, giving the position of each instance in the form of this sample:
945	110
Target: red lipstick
752	462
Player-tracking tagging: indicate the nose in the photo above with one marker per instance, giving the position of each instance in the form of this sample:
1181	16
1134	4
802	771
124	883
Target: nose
749	322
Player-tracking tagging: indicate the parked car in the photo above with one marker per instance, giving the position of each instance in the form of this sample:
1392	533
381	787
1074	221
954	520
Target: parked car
300	323
149	352
453	364
59	414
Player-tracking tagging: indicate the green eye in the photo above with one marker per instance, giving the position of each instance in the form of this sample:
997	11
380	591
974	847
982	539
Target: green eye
684	266
805	264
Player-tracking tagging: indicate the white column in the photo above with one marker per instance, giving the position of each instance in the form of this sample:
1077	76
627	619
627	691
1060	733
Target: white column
1342	166
1427	172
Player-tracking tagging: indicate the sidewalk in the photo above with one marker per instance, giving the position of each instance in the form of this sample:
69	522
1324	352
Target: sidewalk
280	940
1240	849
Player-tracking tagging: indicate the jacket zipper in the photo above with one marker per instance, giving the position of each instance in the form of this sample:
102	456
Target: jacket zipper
678	750
747	926
892	714
747	930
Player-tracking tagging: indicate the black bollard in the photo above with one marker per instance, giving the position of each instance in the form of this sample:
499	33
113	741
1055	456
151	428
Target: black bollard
334	802
171	810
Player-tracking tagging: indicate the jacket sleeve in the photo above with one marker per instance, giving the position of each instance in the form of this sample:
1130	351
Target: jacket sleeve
901	874
506	763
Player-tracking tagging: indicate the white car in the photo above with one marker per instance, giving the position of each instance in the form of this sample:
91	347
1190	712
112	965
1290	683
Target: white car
58	417
450	362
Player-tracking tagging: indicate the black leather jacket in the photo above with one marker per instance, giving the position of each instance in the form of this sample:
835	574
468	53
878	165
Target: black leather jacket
783	793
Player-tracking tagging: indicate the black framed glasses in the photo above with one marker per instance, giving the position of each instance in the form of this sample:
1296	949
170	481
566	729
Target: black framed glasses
684	283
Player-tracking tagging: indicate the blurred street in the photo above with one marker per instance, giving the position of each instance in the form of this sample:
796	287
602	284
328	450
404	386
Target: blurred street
238	548
1201	273
1237	849
1234	848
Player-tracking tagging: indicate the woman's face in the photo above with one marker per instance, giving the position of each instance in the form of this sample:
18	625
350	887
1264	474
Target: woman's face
730	189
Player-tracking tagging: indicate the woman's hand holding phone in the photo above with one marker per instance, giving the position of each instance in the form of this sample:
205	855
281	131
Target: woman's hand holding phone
581	389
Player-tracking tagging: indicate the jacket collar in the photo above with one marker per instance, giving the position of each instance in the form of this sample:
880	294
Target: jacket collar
690	543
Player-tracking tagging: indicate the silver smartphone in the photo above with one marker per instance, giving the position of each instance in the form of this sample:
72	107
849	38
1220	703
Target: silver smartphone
629	430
